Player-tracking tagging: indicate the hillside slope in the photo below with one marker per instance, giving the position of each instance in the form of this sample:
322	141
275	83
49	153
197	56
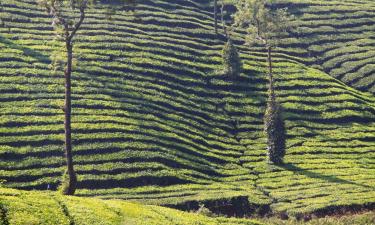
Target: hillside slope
334	36
155	122
337	37
42	208
48	208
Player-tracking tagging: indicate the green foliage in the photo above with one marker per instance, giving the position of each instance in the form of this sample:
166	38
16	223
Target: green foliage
231	60
263	22
3	215
64	14
274	128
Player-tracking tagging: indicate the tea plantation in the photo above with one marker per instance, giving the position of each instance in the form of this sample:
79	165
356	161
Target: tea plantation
21	207
47	208
336	37
156	122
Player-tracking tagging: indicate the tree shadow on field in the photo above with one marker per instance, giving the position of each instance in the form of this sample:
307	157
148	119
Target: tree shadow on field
26	50
249	84
327	178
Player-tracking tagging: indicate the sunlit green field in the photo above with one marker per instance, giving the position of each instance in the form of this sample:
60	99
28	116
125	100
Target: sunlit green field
49	208
19	207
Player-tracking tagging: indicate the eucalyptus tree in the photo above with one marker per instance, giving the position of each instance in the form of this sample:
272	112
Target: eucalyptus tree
265	23
215	15
223	23
67	19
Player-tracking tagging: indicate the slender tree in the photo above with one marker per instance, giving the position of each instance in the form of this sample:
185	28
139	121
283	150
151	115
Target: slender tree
222	19
67	19
66	26
265	23
215	15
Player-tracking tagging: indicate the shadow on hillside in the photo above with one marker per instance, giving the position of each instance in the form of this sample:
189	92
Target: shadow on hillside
248	84
327	178
26	51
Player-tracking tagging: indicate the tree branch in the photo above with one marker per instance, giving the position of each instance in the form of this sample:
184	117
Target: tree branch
76	27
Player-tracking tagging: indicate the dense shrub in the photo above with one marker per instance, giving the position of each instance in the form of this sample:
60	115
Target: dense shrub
231	59
3	215
275	130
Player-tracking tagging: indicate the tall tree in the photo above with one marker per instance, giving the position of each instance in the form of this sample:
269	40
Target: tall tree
222	19
215	15
66	27
67	18
265	24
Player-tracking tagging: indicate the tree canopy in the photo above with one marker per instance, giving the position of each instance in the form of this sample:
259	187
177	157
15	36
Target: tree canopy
263	22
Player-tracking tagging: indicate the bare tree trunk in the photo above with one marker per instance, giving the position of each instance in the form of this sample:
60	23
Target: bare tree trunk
71	180
270	74
222	20
215	15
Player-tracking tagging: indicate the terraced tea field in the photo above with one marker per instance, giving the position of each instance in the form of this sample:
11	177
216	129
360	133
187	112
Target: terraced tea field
154	121
337	37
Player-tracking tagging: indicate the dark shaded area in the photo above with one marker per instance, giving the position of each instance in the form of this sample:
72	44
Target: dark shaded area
232	207
340	120
36	143
26	51
334	210
3	215
28	177
131	182
241	207
112	183
331	210
327	178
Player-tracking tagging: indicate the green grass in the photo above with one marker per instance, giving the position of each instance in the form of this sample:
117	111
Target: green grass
154	121
19	207
366	218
